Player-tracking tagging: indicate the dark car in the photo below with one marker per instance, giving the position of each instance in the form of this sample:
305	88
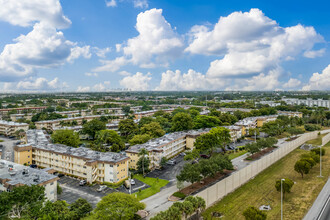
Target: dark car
60	175
33	166
204	156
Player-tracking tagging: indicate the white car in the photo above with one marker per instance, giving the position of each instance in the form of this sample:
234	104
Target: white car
132	182
101	188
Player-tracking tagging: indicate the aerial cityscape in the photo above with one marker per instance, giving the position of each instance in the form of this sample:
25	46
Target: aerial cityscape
164	110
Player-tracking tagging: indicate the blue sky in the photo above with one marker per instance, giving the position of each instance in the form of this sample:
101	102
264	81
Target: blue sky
97	45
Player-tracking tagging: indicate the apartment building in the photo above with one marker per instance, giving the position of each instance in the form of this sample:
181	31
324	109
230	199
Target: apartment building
166	146
5	111
139	115
80	162
270	103
290	114
235	132
254	122
14	175
59	123
308	102
9	128
16	117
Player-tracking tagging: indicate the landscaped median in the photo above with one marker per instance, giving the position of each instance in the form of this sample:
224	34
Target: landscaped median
261	190
154	183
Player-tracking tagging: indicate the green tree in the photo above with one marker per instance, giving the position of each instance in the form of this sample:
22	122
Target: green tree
66	137
153	129
223	136
204	121
302	167
59	189
193	113
253	148
252	213
286	185
56	210
126	110
317	151
206	142
117	206
182	121
92	127
163	161
24	201
127	127
294	131
190	173
110	138
139	139
143	162
145	120
80	208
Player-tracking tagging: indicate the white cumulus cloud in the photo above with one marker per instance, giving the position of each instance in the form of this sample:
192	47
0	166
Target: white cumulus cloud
156	44
27	12
292	83
319	81
137	82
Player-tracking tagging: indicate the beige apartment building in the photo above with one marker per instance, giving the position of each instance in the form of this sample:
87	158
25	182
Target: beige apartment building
81	162
166	146
9	128
14	175
5	111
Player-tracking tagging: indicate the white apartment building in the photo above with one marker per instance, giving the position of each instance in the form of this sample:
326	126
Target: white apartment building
14	175
308	102
9	128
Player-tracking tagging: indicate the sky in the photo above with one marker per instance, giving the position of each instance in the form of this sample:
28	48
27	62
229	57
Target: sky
168	45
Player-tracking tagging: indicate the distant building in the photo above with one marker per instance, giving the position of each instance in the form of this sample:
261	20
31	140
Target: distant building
270	103
14	175
9	128
81	162
5	111
308	102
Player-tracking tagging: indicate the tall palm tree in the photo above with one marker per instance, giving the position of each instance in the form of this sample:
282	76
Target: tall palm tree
143	152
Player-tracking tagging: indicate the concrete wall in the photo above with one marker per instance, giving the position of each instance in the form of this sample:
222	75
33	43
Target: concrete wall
325	139
216	192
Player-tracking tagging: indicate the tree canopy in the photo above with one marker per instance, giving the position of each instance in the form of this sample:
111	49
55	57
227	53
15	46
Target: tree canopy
66	137
110	138
92	127
181	122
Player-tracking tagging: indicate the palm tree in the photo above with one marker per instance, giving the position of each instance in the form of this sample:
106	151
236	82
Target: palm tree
143	152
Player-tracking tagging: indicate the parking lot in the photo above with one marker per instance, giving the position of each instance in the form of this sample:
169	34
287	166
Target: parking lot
169	172
73	191
8	148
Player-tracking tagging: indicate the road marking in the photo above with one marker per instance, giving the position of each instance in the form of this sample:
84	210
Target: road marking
323	209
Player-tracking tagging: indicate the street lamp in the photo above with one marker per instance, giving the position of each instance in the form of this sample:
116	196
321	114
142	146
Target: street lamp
320	161
282	198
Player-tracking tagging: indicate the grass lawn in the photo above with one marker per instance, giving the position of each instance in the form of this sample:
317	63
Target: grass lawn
154	183
261	190
237	154
1	140
317	141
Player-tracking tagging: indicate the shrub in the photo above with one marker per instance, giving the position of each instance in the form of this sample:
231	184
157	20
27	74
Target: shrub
179	195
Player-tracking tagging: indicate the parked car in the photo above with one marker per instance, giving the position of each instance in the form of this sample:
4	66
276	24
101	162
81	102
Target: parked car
171	162
82	182
132	182
205	156
60	175
101	188
183	154
33	166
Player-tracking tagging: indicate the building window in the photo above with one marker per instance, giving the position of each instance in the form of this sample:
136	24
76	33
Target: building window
52	183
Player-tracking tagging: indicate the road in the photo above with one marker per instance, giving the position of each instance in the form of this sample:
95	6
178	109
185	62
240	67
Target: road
321	207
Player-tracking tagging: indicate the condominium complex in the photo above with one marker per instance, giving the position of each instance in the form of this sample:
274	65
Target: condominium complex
9	128
308	102
58	123
166	146
80	162
254	122
14	175
6	111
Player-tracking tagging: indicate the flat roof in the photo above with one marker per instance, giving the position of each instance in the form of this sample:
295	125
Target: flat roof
39	140
15	175
3	122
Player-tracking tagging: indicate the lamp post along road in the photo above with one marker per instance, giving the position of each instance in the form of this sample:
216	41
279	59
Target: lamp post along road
320	161
282	198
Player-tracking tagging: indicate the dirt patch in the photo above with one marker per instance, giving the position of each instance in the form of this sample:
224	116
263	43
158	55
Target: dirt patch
256	156
205	182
